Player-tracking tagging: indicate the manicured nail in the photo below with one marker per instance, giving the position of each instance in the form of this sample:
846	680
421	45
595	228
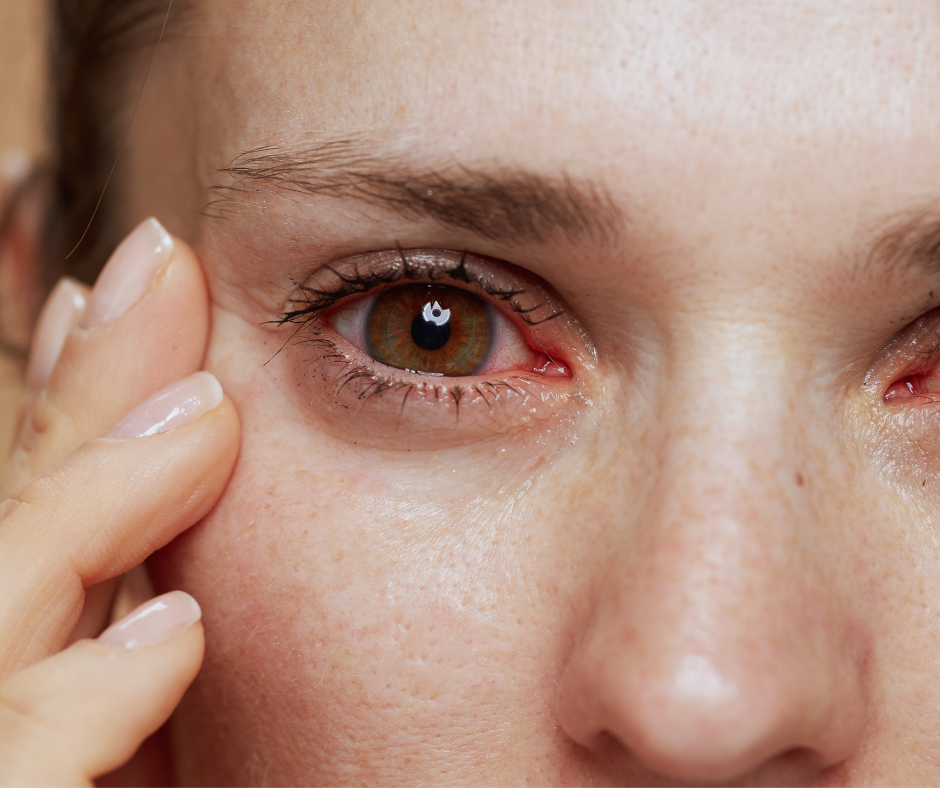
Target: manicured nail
130	271
14	165
154	622
183	402
61	313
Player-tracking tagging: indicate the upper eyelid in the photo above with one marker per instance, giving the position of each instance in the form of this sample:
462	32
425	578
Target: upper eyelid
311	302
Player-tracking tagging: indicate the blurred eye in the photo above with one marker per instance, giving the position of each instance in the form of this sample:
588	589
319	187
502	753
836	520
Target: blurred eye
917	373
434	330
914	386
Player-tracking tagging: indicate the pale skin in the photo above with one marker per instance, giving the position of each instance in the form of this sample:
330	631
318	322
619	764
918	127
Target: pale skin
706	554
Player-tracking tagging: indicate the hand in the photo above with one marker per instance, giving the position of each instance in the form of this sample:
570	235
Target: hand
124	445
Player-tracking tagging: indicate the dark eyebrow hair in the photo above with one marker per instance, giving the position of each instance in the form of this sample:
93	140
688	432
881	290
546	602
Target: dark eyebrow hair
508	205
908	241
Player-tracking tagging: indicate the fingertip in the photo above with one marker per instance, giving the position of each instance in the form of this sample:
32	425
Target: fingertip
62	311
180	403
154	622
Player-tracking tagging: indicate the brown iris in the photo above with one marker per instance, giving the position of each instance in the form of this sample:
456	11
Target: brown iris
430	328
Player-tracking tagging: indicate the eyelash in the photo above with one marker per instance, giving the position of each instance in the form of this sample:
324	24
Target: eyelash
316	301
311	303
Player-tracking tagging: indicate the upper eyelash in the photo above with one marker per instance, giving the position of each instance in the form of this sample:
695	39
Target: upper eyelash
312	302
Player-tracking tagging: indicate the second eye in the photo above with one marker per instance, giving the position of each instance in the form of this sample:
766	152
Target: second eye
433	329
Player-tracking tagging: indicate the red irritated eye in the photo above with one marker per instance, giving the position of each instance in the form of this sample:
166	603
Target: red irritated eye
914	386
431	329
439	330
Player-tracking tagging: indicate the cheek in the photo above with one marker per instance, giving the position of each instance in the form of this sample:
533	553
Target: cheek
330	624
362	603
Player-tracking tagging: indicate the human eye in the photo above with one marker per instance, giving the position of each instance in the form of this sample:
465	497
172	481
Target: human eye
912	370
432	342
903	395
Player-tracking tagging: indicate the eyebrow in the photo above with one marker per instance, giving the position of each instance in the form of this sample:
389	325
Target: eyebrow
908	241
498	204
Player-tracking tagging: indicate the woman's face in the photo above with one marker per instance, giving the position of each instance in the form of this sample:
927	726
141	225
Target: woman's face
672	513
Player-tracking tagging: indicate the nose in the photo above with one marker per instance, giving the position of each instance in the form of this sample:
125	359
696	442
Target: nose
714	642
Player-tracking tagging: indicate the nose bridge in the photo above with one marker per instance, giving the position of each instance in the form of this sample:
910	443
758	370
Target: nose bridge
728	516
730	449
715	644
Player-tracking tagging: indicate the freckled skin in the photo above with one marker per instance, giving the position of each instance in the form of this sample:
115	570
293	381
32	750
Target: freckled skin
717	562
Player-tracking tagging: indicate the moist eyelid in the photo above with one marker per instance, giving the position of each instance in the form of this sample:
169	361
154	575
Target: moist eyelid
362	275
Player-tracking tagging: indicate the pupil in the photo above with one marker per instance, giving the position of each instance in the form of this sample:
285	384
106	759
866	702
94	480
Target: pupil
427	335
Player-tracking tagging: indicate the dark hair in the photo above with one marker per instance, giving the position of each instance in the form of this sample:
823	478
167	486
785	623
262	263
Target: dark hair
97	49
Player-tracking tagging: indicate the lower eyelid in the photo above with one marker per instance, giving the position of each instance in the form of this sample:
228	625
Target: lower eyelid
408	412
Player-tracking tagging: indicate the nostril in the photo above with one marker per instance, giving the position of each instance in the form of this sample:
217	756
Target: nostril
700	720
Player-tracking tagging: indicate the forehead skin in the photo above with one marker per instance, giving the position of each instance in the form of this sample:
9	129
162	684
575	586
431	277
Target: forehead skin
725	491
648	99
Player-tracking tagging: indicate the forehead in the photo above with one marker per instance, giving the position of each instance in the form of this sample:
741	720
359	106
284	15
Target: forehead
455	72
705	118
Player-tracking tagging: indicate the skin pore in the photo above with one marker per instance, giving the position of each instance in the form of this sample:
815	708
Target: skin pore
708	552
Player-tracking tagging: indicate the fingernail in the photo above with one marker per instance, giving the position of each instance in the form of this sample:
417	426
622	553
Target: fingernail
14	165
60	314
154	622
130	271
183	402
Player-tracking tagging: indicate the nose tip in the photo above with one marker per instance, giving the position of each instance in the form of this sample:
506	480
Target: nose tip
699	722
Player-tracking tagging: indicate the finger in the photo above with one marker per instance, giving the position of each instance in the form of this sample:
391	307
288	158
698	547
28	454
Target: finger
96	609
111	600
84	711
105	509
135	588
60	314
145	325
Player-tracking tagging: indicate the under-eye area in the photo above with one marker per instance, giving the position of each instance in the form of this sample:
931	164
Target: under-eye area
426	340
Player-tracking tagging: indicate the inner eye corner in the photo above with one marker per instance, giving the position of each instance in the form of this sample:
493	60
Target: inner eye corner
916	387
901	389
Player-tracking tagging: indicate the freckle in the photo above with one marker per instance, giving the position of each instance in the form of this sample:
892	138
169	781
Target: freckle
799	479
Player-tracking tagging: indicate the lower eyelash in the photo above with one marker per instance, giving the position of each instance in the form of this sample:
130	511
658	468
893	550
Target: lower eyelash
378	385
